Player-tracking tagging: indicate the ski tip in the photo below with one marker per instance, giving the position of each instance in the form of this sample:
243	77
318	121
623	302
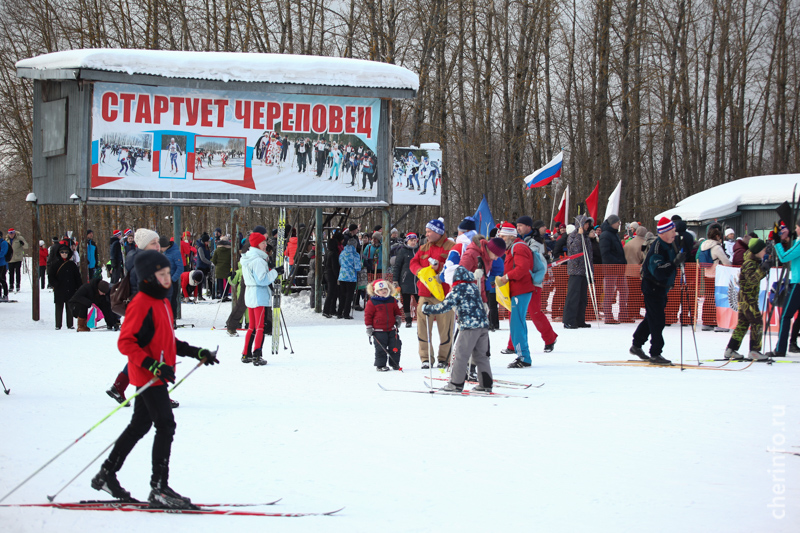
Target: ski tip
330	513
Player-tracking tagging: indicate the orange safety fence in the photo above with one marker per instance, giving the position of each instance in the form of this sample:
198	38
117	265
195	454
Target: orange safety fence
617	290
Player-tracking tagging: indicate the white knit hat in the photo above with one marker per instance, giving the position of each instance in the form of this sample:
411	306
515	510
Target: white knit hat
143	237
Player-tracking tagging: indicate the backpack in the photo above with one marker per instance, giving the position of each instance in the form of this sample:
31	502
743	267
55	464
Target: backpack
121	295
539	265
9	252
704	256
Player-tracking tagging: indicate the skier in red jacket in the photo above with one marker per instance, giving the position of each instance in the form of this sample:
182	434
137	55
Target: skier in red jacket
147	338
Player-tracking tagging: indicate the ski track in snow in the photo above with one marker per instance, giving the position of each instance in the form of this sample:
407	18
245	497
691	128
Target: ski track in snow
597	449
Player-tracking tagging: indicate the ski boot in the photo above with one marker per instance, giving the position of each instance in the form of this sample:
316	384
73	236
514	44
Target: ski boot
452	387
117	389
549	347
658	360
106	480
518	363
382	368
162	496
257	359
638	352
730	353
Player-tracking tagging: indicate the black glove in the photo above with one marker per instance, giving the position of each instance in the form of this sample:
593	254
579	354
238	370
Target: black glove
768	262
679	259
279	270
159	369
209	356
370	331
397	321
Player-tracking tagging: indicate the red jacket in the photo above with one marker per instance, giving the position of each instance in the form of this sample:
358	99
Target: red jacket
186	252
291	250
518	268
475	257
380	313
437	250
147	332
42	256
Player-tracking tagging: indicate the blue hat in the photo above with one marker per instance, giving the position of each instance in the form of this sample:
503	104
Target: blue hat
436	225
468	224
525	219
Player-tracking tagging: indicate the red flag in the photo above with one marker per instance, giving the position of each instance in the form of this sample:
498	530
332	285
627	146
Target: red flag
591	202
561	216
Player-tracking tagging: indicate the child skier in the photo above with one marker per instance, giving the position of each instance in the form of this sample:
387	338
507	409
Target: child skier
473	337
147	338
752	272
383	316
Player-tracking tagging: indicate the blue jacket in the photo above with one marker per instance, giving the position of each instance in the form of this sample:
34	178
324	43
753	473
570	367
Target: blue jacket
793	255
257	278
373	254
91	254
203	259
173	253
465	296
3	251
658	266
349	264
497	268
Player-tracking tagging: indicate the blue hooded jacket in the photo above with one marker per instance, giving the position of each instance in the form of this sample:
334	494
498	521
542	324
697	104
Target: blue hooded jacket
465	296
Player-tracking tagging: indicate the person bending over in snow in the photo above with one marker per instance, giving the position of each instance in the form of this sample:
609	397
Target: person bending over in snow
473	337
147	338
752	272
383	316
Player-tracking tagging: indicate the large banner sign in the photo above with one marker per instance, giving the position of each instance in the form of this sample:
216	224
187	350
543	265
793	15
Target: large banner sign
417	175
185	140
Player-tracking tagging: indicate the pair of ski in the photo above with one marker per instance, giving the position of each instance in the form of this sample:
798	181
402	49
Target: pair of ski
225	509
638	363
465	392
497	383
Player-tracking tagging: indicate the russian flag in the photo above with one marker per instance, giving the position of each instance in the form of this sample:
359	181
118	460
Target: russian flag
546	174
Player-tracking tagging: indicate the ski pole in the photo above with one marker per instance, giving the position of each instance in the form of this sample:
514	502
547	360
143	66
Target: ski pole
7	391
219	305
387	352
53	497
59	454
283	318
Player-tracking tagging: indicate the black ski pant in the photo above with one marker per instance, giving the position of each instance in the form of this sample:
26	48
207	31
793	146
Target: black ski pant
3	284
329	307
43	274
61	308
407	306
387	346
151	408
494	315
655	303
14	271
577	299
348	291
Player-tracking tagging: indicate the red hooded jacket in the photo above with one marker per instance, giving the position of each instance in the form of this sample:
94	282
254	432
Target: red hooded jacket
437	250
518	268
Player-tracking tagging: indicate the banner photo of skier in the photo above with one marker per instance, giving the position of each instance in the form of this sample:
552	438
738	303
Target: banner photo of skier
417	175
233	142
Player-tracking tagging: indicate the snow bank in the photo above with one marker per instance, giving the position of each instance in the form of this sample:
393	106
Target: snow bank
231	66
725	199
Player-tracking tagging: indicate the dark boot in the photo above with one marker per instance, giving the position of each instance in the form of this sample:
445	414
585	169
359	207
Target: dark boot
257	359
161	495
117	390
247	357
106	480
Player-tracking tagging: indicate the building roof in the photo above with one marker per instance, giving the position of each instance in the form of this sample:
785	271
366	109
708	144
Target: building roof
725	199
222	66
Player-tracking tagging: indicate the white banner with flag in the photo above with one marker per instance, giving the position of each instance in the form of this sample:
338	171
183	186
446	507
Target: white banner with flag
726	295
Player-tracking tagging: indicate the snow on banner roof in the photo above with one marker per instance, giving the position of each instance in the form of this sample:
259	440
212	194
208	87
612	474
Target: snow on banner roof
232	66
725	199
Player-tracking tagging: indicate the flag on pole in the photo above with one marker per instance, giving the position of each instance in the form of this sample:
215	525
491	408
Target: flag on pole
591	202
546	174
484	221
563	208
613	202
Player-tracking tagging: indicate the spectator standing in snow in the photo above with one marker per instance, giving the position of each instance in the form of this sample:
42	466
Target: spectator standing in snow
332	267
221	259
66	280
203	261
18	246
4	246
349	267
729	242
614	281
658	277
434	254
382	317
634	257
578	269
740	247
710	255
92	255
115	247
402	275
43	264
788	252
258	296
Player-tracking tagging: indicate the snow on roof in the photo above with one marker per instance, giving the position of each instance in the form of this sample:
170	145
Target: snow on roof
232	66
725	199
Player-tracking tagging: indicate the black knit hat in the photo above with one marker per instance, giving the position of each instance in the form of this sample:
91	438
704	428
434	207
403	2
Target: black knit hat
148	262
260	229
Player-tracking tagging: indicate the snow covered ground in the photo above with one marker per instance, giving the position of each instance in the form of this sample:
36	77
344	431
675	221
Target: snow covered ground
596	449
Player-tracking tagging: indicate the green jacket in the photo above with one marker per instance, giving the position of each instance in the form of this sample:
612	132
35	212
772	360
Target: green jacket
750	277
222	260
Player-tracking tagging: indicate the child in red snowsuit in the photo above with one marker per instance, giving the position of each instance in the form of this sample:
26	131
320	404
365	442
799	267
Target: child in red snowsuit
383	316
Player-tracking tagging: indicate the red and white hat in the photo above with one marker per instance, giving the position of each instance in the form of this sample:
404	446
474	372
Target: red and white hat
664	225
507	228
11	230
128	232
380	284
116	233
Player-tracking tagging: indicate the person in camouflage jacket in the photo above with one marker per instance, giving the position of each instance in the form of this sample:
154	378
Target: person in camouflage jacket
473	336
750	276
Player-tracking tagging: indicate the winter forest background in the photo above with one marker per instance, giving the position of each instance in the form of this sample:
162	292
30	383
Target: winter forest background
670	96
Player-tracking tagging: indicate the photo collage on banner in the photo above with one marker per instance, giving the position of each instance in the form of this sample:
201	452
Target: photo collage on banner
417	175
180	140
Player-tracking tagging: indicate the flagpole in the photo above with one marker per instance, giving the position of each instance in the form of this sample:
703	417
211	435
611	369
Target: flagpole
553	211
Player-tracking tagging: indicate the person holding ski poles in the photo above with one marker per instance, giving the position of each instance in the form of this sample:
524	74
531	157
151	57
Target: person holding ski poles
149	342
383	317
257	296
788	252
